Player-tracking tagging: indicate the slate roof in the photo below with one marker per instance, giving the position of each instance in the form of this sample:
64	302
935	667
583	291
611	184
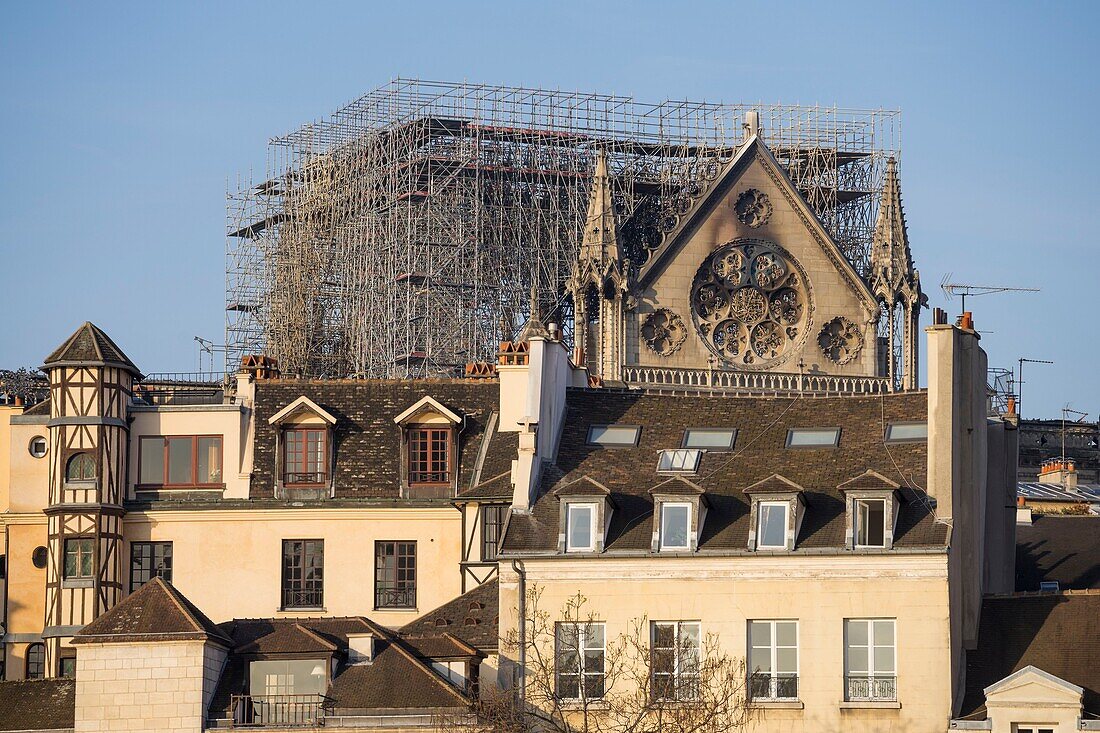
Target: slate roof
154	612
762	423
89	344
1061	548
1059	633
399	677
37	704
367	450
473	617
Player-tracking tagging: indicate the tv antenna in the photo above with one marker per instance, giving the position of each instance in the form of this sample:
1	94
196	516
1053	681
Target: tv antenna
964	289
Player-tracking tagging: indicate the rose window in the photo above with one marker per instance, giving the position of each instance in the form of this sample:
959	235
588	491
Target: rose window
750	303
663	331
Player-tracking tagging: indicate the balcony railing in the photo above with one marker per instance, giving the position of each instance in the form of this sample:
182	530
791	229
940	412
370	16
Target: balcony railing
282	711
303	597
753	383
307	478
429	477
764	686
404	597
867	688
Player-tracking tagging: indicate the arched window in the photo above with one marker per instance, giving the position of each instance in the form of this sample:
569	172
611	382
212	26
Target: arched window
36	661
80	467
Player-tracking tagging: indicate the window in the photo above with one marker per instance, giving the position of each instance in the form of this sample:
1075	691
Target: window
1049	586
270	678
771	525
614	436
580	527
36	661
675	520
906	432
492	525
78	557
68	667
683	460
675	665
149	560
38	447
1031	728
429	456
711	439
773	660
303	573
579	651
304	457
180	460
813	437
80	467
869	660
870	518
394	574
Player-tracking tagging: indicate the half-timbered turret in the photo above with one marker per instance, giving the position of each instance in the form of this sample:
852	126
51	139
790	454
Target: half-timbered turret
91	384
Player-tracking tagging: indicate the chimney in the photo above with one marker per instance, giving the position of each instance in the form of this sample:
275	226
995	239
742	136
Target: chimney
939	317
361	648
966	321
1059	471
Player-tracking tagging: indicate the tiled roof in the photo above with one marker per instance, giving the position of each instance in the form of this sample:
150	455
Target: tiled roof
1061	548
368	441
762	424
1059	633
89	344
154	612
37	704
395	679
472	617
1055	492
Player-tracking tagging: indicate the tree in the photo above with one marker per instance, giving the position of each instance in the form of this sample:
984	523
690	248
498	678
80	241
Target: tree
654	678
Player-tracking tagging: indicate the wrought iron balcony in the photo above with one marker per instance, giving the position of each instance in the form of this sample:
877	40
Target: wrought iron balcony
279	711
307	478
871	688
766	686
388	597
303	597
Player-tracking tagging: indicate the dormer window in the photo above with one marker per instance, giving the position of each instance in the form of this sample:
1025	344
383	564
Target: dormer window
429	437
675	525
305	450
771	530
580	527
870	522
429	456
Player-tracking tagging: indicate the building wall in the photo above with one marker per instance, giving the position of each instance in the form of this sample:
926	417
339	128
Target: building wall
819	591
25	599
229	562
161	686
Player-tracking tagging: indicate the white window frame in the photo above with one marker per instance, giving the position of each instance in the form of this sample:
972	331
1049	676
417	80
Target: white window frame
592	510
583	637
685	442
871	673
760	526
681	672
45	446
687	529
858	524
679	461
773	656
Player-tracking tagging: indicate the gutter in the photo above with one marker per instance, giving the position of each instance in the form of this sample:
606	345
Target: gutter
517	568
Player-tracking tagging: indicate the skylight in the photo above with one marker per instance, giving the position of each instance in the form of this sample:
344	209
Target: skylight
813	437
614	436
906	432
680	460
712	439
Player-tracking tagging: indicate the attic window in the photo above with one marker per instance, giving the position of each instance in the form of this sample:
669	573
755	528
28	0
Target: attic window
906	432
682	460
711	439
813	437
614	436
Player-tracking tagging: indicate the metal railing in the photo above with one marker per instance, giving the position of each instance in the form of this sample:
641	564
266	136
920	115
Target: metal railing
283	711
868	688
766	686
310	478
429	477
303	597
386	597
754	383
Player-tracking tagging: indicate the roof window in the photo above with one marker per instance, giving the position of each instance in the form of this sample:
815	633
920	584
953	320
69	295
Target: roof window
614	436
813	437
711	439
680	460
906	432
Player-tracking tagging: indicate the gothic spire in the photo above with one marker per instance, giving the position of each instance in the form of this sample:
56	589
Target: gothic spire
601	239
891	258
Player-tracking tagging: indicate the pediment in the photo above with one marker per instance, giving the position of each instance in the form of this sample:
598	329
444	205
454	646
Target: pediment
754	161
299	408
1030	684
428	408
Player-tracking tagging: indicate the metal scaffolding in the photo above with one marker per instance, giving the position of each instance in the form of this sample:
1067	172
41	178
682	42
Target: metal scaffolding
401	236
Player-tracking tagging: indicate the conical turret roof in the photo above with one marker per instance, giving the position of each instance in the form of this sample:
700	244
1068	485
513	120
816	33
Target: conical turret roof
90	345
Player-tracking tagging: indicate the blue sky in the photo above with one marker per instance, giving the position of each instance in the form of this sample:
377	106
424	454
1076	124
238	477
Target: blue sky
122	123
